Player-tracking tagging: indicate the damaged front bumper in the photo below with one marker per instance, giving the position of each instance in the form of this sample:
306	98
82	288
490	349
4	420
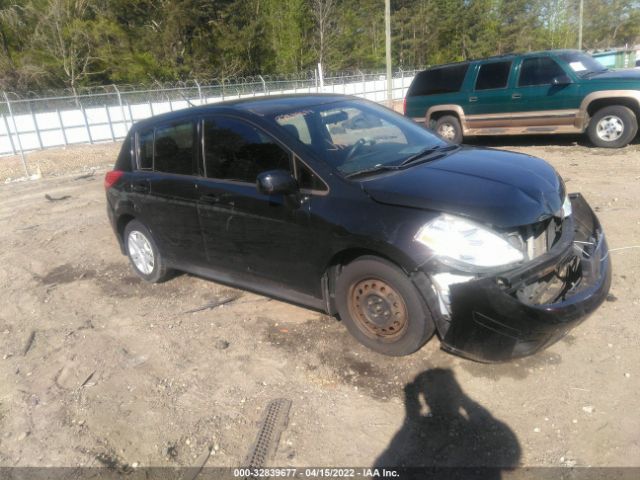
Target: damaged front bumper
512	314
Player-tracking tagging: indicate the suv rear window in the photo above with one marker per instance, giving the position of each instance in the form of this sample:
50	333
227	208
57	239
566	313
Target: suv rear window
493	75
438	80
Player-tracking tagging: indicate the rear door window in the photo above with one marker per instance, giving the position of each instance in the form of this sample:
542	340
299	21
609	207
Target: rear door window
175	150
493	75
439	80
539	71
236	150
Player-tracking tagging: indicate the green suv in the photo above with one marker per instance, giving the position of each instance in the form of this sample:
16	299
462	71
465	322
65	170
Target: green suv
559	91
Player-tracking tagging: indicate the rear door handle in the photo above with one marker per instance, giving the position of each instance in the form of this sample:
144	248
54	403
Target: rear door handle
473	99
141	187
516	96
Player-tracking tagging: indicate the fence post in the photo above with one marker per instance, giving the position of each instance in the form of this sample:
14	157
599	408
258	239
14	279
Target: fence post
64	134
113	136
86	123
9	136
264	85
35	125
15	128
124	118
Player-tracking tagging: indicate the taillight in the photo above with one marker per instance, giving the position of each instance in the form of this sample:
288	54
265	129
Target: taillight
111	178
404	105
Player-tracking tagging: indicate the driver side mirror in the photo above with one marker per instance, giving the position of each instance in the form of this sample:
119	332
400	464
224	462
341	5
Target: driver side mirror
561	80
273	182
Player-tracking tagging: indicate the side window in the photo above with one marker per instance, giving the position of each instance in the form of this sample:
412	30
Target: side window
308	180
174	149
493	75
145	152
235	150
538	71
439	80
296	125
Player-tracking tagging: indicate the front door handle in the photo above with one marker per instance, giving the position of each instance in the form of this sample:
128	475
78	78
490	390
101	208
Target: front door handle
210	198
473	99
516	96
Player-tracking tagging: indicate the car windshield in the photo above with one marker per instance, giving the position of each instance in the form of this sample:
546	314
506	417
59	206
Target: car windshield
359	137
582	63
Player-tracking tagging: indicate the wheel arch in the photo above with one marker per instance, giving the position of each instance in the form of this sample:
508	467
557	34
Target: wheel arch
344	257
608	98
438	111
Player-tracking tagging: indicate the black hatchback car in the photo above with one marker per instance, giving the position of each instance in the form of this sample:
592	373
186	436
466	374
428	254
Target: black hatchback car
346	207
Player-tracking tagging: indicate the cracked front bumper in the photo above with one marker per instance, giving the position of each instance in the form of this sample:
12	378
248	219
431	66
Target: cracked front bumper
489	322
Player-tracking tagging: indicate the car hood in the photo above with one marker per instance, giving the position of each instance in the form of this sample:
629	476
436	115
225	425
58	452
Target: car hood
500	188
628	74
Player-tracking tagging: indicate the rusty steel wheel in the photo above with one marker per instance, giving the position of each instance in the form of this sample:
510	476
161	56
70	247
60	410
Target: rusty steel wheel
379	310
381	307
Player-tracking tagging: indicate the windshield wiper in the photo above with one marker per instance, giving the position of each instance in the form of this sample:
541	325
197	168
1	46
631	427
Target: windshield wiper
377	168
425	153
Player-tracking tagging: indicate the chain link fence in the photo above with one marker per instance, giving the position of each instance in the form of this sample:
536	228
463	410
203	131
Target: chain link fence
33	121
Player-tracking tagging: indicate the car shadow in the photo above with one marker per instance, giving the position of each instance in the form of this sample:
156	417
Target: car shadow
449	434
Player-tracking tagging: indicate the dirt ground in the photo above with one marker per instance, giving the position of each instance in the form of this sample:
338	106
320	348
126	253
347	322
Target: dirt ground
98	368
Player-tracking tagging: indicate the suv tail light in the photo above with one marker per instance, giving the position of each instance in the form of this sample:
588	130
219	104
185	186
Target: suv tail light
404	105
111	178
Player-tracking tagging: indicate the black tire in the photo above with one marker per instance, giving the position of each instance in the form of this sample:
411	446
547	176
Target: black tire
448	127
397	293
615	115
159	272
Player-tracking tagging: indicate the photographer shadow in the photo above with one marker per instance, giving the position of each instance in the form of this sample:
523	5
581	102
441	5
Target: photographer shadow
448	435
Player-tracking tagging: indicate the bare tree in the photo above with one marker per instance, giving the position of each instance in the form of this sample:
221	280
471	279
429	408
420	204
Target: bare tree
323	14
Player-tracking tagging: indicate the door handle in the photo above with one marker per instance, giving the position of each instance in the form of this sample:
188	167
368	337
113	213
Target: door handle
516	96
210	198
473	99
141	187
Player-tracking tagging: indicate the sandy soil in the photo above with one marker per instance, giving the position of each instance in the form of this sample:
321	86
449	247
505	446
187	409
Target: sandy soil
98	368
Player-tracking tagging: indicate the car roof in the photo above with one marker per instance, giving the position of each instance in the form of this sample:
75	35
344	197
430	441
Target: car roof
506	56
262	106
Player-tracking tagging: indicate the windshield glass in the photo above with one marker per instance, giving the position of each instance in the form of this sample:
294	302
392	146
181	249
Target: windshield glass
356	136
582	63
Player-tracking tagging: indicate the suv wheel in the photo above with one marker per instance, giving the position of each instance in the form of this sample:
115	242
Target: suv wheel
613	127
381	307
143	253
448	127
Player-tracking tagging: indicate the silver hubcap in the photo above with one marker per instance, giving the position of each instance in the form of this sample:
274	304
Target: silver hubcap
447	131
140	252
610	128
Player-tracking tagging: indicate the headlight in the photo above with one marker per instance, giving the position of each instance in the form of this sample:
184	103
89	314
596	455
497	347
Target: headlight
466	242
566	207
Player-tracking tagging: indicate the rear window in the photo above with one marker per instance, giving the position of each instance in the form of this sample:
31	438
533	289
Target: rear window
493	75
438	80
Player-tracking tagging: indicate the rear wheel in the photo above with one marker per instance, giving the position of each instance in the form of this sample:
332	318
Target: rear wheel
381	307
143	253
613	127
449	128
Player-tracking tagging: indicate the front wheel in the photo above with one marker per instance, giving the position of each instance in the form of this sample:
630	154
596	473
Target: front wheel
143	253
613	127
381	307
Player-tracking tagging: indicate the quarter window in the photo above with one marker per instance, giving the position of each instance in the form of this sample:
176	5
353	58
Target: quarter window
174	149
539	71
493	75
145	155
308	180
438	80
235	150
